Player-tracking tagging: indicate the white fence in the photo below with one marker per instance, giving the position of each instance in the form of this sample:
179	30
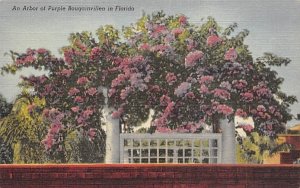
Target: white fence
171	148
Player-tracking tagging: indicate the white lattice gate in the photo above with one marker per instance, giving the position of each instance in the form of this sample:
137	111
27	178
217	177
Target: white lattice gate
170	148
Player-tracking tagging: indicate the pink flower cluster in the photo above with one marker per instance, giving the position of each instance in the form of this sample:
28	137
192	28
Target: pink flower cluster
87	113
73	91
226	85
182	129
272	109
79	44
84	116
28	59
48	89
191	44
78	99
182	20
162	129
261	108
171	78
189	127
55	128
42	51
117	81
213	40
158	30
247	96
125	92
161	49
75	109
276	113
95	53
231	55
206	79
92	133
42	79
241	113
66	72
168	40
117	114
164	100
222	94
190	95
155	88
68	54
82	80
192	58
182	89
247	128
111	92
239	84
161	122
91	91
203	89
136	81
224	109
55	117
177	31
262	91
169	109
144	47
262	112
48	141
137	60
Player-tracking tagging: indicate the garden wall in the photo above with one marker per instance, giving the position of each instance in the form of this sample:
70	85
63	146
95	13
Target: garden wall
123	175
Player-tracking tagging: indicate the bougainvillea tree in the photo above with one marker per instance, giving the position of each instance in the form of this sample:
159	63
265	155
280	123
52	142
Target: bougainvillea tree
188	75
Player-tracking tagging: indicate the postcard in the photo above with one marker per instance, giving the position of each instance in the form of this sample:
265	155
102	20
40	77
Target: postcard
148	81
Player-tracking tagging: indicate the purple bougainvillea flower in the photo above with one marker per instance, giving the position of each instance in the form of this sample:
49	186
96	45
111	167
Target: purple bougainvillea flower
213	40
231	55
192	58
82	80
182	89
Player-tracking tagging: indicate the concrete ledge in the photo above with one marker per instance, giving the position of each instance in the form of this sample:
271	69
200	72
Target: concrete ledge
150	175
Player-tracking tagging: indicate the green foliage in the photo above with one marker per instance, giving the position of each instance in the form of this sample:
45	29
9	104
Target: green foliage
81	149
23	129
107	35
256	148
273	60
6	153
5	107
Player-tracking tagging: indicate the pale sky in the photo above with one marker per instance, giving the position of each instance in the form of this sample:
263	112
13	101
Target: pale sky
273	25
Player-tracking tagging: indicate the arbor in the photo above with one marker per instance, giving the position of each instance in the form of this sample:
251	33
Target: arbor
189	75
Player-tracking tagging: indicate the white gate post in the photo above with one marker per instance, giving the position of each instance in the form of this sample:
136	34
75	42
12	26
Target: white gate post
228	141
112	154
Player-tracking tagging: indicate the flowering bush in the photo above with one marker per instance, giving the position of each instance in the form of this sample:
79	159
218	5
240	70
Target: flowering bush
189	75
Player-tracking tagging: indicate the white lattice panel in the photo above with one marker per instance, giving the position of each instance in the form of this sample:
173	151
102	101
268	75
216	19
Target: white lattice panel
170	148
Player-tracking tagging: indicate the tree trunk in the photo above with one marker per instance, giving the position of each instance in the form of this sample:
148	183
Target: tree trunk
112	138
228	141
112	151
